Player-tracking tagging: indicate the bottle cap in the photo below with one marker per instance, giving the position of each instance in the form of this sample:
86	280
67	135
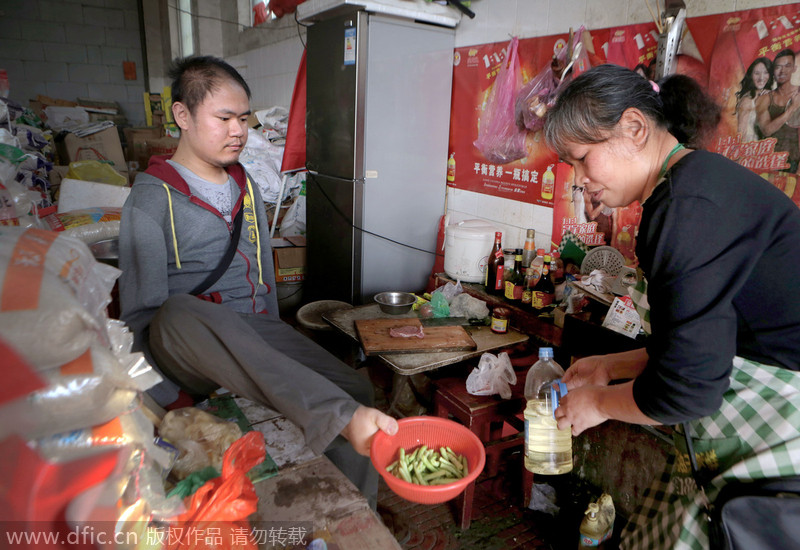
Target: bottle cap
531	233
540	251
546	353
547	257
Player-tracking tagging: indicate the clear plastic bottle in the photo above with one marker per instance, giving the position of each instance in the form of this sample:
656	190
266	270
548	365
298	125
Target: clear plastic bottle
548	450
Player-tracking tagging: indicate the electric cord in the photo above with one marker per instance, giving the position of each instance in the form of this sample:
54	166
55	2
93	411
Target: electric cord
361	229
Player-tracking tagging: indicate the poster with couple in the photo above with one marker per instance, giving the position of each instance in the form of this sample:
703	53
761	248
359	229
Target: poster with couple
747	62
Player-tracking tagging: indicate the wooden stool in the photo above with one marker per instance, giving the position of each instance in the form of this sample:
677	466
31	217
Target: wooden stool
484	416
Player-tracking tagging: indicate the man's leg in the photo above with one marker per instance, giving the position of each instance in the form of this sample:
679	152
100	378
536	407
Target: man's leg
212	346
199	340
292	343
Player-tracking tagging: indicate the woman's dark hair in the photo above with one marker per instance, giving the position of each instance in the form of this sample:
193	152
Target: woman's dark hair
748	86
589	108
193	78
692	115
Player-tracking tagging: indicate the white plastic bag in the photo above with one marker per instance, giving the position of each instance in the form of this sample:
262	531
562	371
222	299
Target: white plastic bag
493	375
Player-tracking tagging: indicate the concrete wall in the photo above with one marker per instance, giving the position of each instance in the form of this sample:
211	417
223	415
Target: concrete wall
73	48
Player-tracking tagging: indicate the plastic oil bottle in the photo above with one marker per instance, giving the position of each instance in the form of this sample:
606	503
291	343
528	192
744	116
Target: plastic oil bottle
548	450
597	525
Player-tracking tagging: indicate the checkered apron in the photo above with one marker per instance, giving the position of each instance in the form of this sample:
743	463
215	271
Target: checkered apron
758	425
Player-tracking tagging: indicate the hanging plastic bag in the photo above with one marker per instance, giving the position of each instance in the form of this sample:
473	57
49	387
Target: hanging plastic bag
493	375
499	138
223	503
539	94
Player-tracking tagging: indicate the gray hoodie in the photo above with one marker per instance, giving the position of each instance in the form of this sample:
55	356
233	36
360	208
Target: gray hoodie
170	240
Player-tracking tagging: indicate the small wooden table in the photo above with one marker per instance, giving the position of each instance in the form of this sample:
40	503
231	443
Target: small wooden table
406	364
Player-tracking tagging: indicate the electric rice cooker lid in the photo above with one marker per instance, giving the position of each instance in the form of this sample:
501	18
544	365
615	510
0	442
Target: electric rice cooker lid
467	246
472	229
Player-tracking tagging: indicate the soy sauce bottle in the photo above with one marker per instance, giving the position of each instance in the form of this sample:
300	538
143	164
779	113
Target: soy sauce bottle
515	280
544	292
495	268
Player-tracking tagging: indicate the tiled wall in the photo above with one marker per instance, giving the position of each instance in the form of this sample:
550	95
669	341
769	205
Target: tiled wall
271	69
68	49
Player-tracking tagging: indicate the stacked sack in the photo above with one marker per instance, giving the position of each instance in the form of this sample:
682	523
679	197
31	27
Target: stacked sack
53	299
25	147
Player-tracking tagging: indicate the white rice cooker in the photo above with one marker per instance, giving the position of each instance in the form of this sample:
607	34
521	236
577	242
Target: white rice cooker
466	249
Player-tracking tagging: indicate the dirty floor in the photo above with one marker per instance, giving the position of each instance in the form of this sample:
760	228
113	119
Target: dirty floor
500	521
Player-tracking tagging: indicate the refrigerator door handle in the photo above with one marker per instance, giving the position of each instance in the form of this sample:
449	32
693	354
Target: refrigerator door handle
337	178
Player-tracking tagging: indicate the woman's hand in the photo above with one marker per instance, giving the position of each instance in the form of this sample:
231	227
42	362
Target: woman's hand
579	409
589	371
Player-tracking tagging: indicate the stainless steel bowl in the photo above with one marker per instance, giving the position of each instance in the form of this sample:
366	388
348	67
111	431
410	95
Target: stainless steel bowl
395	303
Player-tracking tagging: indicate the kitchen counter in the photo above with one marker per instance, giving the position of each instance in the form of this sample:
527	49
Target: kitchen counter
407	364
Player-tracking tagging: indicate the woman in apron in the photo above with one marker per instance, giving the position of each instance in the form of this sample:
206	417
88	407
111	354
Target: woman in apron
719	251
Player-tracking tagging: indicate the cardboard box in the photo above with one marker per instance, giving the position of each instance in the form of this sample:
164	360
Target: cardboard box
137	142
289	257
162	146
102	145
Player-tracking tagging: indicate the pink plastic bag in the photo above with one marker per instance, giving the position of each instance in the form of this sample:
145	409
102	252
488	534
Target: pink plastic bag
499	138
539	94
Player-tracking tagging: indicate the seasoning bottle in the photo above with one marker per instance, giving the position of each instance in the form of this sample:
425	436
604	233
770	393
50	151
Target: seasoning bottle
544	292
529	249
537	264
527	288
495	270
557	272
597	525
500	320
548	450
515	280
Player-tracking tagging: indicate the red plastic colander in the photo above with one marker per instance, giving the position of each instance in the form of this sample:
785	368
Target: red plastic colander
434	432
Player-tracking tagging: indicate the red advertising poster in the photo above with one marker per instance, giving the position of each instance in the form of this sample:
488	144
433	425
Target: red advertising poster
591	221
632	46
474	74
753	74
746	61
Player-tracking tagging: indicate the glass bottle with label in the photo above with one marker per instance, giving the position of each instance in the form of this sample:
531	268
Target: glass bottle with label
495	268
515	280
527	288
537	264
529	249
544	292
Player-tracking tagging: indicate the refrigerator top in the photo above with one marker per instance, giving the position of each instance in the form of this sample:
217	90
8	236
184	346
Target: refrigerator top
417	10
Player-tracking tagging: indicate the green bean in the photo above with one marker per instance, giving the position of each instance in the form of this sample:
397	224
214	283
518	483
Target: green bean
424	466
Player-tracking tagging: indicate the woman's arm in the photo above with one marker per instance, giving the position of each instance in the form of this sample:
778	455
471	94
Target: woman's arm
589	406
599	370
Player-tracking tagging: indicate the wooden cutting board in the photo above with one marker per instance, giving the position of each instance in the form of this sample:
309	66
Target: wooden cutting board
374	335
